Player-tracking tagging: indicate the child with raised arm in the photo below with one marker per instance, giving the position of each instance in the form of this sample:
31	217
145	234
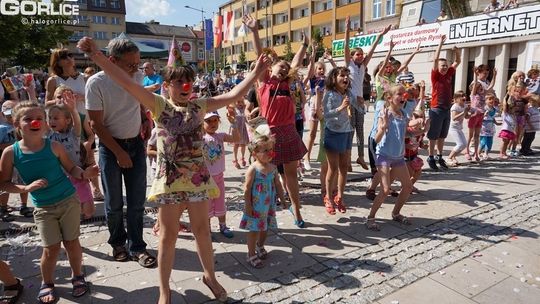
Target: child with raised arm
182	178
488	127
260	191
42	165
277	106
214	157
65	124
390	138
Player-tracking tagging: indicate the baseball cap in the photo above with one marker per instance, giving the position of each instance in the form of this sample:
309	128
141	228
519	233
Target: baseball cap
211	114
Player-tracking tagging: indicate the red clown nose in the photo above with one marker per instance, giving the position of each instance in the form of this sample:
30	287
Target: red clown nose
406	96
186	86
35	124
272	154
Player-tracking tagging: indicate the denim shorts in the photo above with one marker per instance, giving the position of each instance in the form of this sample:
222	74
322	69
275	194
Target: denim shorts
337	142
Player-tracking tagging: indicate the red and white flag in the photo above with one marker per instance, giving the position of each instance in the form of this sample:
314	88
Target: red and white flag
218	23
228	27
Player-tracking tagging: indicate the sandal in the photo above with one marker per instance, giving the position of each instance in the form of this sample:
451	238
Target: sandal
144	259
155	229
255	262
98	196
120	254
184	228
243	162
338	200
468	157
221	296
401	219
329	206
370	194
5	216
47	290
12	293
236	164
26	211
372	225
80	287
261	252
394	193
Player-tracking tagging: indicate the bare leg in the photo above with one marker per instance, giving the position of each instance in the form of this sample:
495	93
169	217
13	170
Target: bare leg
344	159
401	174
74	254
312	134
292	186
47	264
168	221
385	190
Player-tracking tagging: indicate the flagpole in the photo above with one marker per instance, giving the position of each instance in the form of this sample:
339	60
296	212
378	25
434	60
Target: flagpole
203	26
214	51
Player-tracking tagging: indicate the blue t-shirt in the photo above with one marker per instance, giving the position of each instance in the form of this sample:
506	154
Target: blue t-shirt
378	106
150	80
393	142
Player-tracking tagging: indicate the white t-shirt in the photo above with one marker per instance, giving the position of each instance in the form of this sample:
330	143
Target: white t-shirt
357	78
457	124
121	111
77	85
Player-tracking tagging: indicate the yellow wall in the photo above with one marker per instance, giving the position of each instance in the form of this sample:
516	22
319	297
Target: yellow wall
322	17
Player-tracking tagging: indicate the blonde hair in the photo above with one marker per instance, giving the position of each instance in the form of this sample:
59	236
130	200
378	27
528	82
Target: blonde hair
24	107
259	141
62	108
61	89
391	92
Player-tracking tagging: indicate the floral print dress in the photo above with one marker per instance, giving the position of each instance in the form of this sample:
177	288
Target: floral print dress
264	203
181	173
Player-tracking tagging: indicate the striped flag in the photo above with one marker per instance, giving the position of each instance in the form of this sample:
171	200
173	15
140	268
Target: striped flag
175	56
243	30
228	27
218	23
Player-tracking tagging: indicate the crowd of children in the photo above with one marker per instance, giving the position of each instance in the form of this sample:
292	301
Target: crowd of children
187	152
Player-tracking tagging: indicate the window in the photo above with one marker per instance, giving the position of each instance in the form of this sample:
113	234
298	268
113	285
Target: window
249	47
99	3
345	2
355	24
81	19
83	2
263	3
297	35
280	39
200	54
115	4
238	14
300	12
115	20
390	7
376	9
100	35
281	18
320	6
99	19
114	35
77	35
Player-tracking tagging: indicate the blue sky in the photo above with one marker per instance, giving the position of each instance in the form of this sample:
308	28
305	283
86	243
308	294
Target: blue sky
170	12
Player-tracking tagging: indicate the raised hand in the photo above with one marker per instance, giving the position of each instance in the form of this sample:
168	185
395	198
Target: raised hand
417	50
263	63
347	23
392	44
345	103
250	22
443	38
87	45
383	124
90	172
68	99
305	38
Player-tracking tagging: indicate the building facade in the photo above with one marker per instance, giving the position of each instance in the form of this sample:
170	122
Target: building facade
100	19
285	20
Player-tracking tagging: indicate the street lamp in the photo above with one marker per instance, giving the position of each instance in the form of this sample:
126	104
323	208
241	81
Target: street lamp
204	34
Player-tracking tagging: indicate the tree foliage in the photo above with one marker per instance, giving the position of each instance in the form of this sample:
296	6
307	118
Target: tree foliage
242	57
28	40
317	37
288	54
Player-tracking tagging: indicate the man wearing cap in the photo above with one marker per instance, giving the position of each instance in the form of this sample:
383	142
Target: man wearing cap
116	118
152	81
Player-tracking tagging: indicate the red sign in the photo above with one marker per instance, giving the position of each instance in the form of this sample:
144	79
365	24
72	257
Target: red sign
186	47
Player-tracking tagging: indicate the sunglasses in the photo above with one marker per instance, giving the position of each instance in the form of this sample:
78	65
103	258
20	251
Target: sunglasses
66	55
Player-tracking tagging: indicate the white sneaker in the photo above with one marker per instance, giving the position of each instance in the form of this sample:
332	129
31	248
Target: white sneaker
307	166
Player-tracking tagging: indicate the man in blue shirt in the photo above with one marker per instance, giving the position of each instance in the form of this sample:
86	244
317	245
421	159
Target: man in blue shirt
152	81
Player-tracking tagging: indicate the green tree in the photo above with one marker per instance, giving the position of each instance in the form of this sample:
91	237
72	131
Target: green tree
288	53
317	37
29	45
242	57
457	8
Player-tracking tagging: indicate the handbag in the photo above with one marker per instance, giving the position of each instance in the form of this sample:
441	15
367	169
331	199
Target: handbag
259	125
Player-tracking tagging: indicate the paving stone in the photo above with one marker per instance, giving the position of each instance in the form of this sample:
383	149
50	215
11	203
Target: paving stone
355	299
434	265
332	273
252	291
347	268
419	272
259	299
304	273
317	268
306	284
331	263
287	279
360	273
317	292
397	282
267	286
291	290
408	278
276	295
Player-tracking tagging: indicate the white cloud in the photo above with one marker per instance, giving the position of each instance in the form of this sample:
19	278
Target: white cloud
149	8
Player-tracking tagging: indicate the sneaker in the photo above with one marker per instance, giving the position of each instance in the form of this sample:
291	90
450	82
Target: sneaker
223	229
442	163
432	163
307	165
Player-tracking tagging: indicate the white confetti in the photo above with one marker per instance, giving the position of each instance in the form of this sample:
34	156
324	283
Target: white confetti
104	281
395	302
236	291
237	274
474	285
179	288
516	290
537	279
519	265
236	264
442	272
250	283
142	283
99	274
505	253
335	266
465	270
523	280
197	279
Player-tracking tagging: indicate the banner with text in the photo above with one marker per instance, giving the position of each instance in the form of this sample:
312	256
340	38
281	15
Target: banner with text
509	23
